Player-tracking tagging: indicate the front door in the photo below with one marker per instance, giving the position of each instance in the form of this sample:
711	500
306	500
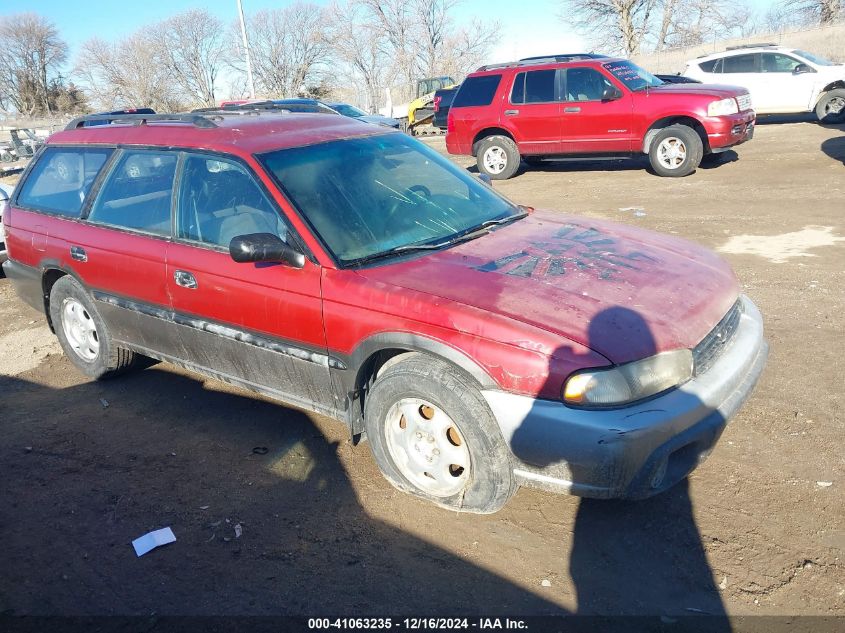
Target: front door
590	124
257	323
781	88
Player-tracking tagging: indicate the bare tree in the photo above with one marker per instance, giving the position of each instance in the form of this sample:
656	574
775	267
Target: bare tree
396	21
289	48
126	74
615	26
812	11
30	57
192	46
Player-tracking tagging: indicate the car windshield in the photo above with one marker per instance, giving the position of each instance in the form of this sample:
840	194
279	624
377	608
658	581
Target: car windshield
347	110
634	77
375	196
819	61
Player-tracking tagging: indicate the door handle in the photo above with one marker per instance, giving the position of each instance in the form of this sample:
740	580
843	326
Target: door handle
572	109
185	279
511	112
78	253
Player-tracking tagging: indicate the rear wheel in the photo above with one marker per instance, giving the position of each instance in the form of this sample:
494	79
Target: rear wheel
831	107
83	334
498	157
676	151
433	436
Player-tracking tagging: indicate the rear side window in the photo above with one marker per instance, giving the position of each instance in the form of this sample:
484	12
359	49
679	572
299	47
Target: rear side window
518	90
540	86
137	192
219	200
61	179
709	66
477	91
740	64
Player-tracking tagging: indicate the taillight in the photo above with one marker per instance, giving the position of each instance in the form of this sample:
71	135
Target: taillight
437	103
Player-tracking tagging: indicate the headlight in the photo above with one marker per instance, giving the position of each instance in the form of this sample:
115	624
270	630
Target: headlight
629	382
723	107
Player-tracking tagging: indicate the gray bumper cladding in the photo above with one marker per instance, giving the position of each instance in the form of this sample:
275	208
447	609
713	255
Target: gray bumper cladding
635	451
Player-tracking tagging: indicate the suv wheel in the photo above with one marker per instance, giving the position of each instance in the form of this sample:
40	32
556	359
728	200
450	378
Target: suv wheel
82	332
498	157
676	151
831	107
433	435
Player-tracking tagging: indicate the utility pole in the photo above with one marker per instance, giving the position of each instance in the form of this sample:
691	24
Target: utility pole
246	50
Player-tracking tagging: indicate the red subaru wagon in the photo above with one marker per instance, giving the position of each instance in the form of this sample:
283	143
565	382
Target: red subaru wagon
352	271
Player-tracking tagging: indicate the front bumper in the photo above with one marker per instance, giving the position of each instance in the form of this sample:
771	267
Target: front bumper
637	451
727	131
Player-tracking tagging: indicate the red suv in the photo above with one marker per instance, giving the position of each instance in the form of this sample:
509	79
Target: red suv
537	109
350	270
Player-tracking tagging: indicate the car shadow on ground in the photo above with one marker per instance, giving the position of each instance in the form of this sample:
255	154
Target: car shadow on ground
835	148
88	468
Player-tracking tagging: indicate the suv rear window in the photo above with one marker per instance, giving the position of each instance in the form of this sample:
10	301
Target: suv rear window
477	91
61	179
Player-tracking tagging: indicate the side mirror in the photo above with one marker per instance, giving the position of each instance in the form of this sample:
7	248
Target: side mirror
264	247
611	93
485	178
800	69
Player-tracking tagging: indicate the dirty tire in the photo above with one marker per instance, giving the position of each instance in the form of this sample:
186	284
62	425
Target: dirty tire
489	482
680	137
831	106
109	359
498	157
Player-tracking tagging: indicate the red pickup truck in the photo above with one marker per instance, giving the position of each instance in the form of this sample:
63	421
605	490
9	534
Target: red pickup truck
537	109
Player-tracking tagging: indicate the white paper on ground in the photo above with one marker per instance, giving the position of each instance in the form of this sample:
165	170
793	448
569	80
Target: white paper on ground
151	540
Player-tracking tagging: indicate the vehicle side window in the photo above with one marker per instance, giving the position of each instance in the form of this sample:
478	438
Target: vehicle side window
740	64
778	63
540	86
61	179
137	192
477	91
585	84
219	199
518	90
709	66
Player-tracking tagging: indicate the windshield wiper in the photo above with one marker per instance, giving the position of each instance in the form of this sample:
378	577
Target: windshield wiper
411	248
500	221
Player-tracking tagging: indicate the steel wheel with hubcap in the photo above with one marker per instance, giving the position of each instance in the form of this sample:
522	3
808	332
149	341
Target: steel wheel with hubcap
80	330
497	156
433	435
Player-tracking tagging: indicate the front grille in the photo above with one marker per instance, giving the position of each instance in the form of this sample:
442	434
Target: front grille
744	102
711	347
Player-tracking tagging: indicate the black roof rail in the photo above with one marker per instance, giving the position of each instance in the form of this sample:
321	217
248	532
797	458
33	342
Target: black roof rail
741	46
197	120
548	59
252	107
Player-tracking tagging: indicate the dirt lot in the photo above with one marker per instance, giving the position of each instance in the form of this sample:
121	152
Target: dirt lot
758	529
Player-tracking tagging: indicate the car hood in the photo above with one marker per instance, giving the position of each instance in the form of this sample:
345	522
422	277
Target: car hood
379	120
708	90
624	292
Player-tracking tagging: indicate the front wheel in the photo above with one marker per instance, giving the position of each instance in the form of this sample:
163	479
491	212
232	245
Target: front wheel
676	151
498	157
433	435
831	107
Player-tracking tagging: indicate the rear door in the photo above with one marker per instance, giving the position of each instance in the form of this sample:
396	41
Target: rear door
744	70
533	110
591	124
120	250
258	323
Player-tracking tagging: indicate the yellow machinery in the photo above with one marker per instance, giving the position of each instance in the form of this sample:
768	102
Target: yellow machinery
421	109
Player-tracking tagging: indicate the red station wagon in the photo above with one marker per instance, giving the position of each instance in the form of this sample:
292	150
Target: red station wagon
352	271
538	109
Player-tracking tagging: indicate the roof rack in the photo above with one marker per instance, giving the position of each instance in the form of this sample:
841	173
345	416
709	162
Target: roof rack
252	107
197	120
741	46
545	59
